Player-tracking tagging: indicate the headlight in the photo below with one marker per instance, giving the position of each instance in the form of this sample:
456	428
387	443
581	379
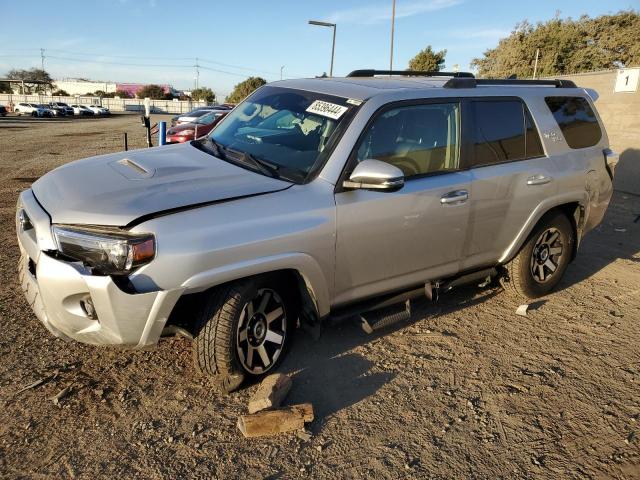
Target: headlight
109	252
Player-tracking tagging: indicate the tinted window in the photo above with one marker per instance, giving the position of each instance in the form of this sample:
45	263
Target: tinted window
498	131
417	139
533	147
576	120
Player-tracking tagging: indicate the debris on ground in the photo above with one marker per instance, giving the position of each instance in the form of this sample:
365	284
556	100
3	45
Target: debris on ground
271	392
304	435
522	310
38	382
62	394
272	422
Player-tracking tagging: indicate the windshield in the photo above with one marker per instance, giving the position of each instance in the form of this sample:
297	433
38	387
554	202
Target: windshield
293	131
208	118
196	113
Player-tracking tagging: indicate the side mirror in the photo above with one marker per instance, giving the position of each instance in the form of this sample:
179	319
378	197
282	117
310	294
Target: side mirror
373	174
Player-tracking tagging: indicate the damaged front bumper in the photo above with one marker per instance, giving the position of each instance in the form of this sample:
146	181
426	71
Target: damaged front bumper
59	292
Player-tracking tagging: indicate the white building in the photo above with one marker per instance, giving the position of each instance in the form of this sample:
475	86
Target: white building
80	86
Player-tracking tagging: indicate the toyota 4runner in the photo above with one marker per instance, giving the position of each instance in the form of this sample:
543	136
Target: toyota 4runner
313	198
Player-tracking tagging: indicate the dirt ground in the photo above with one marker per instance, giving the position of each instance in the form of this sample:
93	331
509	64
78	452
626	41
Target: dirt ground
467	389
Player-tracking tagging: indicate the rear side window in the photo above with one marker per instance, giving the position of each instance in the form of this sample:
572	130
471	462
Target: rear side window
503	131
576	120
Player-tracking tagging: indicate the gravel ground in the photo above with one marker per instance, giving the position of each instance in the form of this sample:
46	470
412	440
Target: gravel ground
465	389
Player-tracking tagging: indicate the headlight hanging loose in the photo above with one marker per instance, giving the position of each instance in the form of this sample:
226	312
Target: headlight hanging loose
107	252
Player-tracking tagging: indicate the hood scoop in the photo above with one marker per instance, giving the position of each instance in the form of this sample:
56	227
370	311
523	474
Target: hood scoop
132	170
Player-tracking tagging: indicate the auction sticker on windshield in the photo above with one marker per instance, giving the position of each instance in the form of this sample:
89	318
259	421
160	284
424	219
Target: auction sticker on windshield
327	109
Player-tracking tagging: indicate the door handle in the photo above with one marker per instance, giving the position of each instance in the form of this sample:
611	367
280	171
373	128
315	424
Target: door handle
539	179
454	198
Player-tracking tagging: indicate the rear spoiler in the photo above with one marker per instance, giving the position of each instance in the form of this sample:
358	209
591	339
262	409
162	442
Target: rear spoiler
592	94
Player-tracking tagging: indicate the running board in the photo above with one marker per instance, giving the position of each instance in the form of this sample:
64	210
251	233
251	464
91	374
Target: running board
484	275
383	311
378	303
381	318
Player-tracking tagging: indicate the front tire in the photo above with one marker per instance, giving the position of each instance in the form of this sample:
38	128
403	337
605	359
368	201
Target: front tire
243	329
543	259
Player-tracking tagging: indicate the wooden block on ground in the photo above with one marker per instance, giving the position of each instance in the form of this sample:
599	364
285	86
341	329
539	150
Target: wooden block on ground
272	422
270	393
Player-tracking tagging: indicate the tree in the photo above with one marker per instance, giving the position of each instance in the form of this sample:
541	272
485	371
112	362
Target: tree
427	60
566	46
60	93
30	77
244	89
122	94
203	93
155	92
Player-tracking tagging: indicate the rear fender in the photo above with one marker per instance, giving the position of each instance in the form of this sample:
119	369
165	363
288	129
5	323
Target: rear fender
577	216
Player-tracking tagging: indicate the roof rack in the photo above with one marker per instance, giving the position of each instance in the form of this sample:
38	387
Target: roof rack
474	82
408	73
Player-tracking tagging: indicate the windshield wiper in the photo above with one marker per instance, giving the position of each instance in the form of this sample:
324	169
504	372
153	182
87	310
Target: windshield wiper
262	165
218	148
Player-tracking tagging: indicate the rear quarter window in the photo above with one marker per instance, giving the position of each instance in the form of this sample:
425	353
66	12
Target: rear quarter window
576	119
502	131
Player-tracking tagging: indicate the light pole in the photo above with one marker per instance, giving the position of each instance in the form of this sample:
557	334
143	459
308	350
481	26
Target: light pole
281	68
393	25
333	45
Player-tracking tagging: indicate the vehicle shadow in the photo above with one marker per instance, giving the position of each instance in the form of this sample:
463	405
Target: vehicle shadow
616	238
627	173
334	377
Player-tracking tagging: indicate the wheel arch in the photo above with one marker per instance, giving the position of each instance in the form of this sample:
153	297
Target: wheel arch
575	208
299	270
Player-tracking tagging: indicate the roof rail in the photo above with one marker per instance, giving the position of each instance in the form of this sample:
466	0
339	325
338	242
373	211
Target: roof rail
474	82
408	73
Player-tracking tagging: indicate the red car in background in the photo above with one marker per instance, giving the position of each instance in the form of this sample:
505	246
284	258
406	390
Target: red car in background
190	131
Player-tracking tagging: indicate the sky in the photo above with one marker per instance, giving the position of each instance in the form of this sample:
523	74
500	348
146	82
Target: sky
158	41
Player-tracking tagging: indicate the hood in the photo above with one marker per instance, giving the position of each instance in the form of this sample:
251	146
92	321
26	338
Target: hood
119	188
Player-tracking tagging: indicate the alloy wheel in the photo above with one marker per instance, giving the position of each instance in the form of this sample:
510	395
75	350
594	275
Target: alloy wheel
546	255
261	332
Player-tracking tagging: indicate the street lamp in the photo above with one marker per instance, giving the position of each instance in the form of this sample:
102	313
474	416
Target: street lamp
333	46
393	27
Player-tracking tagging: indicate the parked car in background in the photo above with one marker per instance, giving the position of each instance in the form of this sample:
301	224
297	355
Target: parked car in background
81	110
46	111
68	110
190	131
55	110
99	110
3	111
33	109
193	115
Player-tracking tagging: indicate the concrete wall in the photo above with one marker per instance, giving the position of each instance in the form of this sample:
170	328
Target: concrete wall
620	112
113	104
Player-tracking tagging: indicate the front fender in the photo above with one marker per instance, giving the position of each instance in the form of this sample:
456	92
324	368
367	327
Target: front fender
547	205
303	263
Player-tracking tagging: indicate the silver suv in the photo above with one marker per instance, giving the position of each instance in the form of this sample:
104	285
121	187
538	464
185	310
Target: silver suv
316	198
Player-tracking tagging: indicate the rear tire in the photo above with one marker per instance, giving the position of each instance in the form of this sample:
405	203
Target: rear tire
543	259
243	330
